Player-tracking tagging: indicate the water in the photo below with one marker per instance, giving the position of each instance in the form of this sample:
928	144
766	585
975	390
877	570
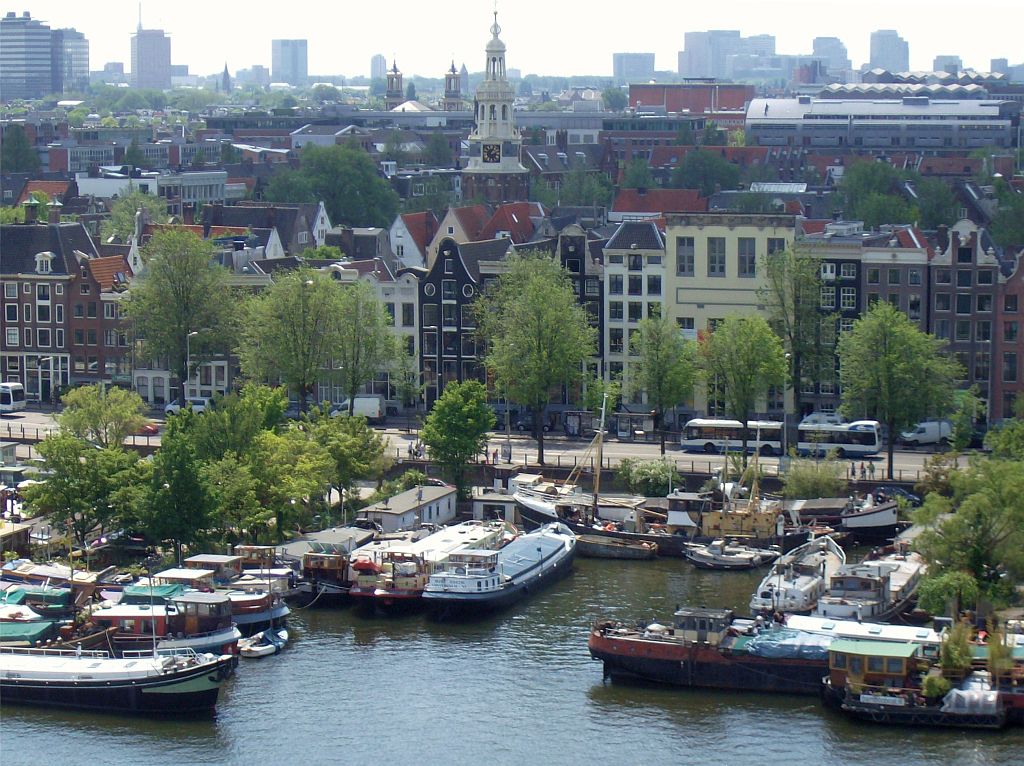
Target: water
518	688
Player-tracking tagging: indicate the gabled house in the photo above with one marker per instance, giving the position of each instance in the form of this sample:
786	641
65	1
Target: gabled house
517	221
460	224
300	226
411	234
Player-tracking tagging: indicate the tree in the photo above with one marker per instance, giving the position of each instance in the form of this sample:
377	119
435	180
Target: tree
1007	226
293	331
1007	439
807	479
324	93
365	343
437	152
893	372
968	406
537	334
936	203
79	491
121	223
233	489
199	159
232	426
229	155
615	99
356	450
104	415
705	171
651	478
638	175
541	191
287	185
294	473
685	136
410	92
791	293
863	179
133	155
582	187
17	155
713	135
666	366
456	429
878	209
181	291
741	359
394	149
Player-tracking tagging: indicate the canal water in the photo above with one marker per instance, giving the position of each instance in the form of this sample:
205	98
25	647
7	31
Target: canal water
518	688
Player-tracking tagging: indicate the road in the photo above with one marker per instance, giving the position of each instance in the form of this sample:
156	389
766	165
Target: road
558	451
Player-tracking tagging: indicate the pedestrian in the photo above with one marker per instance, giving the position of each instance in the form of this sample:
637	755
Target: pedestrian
410	450
494	456
853	471
863	471
871	470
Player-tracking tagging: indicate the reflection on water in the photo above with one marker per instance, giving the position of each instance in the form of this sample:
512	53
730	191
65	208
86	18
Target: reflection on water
516	688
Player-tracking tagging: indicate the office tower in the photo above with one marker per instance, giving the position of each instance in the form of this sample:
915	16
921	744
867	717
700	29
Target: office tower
25	57
378	67
889	51
706	54
951	64
289	61
999	66
69	64
834	52
632	67
151	59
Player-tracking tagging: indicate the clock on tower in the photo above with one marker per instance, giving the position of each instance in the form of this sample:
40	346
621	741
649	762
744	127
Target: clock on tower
491	153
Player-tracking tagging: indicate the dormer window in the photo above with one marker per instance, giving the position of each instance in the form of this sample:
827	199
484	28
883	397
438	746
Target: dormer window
43	263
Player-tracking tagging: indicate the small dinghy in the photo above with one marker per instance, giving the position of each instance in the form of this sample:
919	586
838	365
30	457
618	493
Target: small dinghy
264	643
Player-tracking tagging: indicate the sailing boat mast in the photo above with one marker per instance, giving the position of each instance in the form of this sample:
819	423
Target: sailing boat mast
600	456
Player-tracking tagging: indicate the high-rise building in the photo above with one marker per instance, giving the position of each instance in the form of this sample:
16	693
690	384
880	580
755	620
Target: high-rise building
290	61
378	67
25	57
999	66
632	67
706	54
69	66
834	52
889	51
151	59
951	64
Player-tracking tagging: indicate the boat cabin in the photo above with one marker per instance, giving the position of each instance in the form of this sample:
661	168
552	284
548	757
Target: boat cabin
197	579
193	613
883	664
225	568
157	594
256	556
326	562
701	625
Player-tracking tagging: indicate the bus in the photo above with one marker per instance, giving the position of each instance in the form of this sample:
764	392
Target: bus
714	435
12	397
857	439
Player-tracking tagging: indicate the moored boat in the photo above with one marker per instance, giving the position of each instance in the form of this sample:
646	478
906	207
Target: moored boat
723	555
263	644
605	547
878	588
178	683
799	578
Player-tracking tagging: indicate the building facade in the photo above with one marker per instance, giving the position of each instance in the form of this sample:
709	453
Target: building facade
151	59
289	61
630	67
25	57
889	51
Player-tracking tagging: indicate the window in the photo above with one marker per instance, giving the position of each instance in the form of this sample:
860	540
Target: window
914	307
964	255
60	289
59	312
429	344
449	315
963	304
942	301
872	299
653	310
894	276
60	338
914	277
28	337
828	297
776	245
685	323
684	256
615	284
42	312
11	312
654	284
593	287
390	308
615	340
716	256
408	314
1010	366
12	336
985	303
1010	304
90	310
449	266
27	289
942	328
963	329
636	284
845	325
636	263
42	292
874	276
447	289
963	278
109	310
430	311
79	311
848	297
894	300
615	310
11	289
748	257
79	337
828	271
90	337
84	288
982	362
983	331
1010	332
848	270
942	276
43	337
636	311
94	364
110	338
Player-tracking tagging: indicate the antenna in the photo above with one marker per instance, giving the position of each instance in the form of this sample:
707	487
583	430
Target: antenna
140	16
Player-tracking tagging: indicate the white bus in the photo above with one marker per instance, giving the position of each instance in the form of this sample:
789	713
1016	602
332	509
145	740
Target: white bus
714	435
857	439
12	397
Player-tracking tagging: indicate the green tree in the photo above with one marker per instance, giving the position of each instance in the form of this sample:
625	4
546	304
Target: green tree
807	479
582	187
437	152
233	489
665	368
615	99
741	359
1007	439
199	159
356	450
541	191
121	223
17	155
638	175
294	474
456	429
705	171
288	185
791	292
232	426
410	92
537	334
968	407
686	136
293	331
893	372
651	478
936	203
394	149
78	494
1007	226
104	415
713	135
181	291
878	209
863	179
322	93
229	155
755	202
365	342
133	155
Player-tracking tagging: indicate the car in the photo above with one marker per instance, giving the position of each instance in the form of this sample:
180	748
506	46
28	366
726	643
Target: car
148	429
888	491
197	404
525	423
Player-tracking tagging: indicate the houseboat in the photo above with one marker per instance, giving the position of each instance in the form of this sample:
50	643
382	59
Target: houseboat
863	520
224	568
798	579
877	589
324	574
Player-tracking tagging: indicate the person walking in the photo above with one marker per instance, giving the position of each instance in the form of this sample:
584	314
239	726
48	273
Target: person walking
863	471
871	470
853	471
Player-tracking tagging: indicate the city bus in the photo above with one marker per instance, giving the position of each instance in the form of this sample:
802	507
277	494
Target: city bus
12	397
857	439
715	435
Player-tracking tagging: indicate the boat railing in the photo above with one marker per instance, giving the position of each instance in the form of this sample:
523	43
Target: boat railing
188	652
97	654
204	634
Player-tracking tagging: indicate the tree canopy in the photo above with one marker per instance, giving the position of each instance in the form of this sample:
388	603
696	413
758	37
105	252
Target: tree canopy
121	223
615	99
365	342
705	171
638	175
893	372
102	414
17	155
456	429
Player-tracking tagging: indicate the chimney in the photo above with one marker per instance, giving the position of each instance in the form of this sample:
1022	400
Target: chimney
943	236
31	207
53	211
188	214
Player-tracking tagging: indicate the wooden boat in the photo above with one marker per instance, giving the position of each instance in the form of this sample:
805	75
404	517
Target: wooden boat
722	555
594	546
178	683
263	644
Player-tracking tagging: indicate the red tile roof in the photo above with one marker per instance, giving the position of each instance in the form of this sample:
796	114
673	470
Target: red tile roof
814	226
659	201
421	227
515	218
52	189
197	229
104	270
472	219
911	238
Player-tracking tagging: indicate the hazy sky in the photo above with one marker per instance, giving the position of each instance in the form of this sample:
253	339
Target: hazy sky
548	38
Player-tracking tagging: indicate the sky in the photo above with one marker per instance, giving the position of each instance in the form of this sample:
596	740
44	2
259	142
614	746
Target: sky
545	38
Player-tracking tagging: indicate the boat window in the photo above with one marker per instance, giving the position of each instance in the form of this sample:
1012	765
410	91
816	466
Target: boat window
894	665
856	666
838	660
876	664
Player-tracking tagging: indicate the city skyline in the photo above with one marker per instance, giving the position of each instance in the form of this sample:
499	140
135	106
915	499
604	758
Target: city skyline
422	43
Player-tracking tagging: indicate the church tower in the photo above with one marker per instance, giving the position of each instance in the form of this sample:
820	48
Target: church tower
452	91
395	94
494	172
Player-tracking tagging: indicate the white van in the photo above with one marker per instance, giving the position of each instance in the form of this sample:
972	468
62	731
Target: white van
928	432
370	407
823	419
195	403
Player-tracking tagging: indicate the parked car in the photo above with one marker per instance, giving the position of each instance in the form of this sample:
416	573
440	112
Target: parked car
197	404
891	492
525	423
928	432
148	429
